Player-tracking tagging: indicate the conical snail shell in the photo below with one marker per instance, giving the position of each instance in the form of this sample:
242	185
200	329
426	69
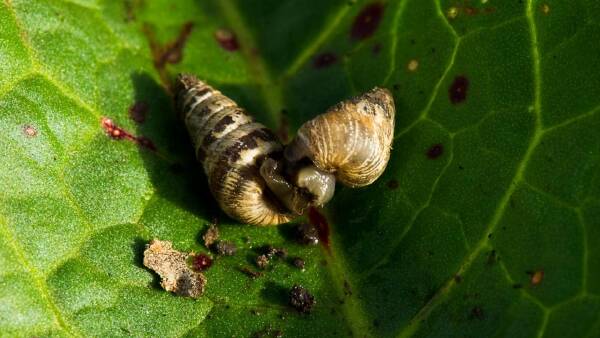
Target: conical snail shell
231	147
352	139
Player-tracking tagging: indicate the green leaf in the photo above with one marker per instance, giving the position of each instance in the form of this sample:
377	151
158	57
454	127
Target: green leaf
485	223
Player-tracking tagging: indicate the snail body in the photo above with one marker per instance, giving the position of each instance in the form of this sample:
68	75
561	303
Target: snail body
255	180
231	146
352	140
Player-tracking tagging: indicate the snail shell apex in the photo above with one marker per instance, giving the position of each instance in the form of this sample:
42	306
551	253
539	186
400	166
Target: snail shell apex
352	139
231	146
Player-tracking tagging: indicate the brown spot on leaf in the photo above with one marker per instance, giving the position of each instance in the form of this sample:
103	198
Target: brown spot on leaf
171	266
545	8
492	258
435	151
458	90
227	39
29	130
224	248
366	22
320	222
324	60
138	111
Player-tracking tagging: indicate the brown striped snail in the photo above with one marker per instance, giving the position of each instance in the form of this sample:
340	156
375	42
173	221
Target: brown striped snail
255	180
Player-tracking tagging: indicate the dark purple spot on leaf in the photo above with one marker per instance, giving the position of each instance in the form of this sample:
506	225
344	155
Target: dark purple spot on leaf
227	40
435	151
138	111
367	21
201	262
324	60
393	184
320	222
458	89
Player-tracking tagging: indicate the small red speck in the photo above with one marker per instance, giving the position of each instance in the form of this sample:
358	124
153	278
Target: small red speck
29	131
119	133
458	90
324	60
367	21
138	111
320	222
201	262
536	277
227	40
435	151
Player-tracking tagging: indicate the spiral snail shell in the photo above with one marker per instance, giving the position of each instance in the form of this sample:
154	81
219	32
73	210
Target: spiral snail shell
231	146
255	180
352	140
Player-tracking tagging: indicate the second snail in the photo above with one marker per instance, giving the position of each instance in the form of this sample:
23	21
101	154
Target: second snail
256	179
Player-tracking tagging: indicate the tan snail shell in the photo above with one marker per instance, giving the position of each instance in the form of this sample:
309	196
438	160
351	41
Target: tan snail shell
352	140
231	147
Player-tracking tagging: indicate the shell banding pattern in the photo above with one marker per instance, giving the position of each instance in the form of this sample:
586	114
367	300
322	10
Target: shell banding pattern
249	175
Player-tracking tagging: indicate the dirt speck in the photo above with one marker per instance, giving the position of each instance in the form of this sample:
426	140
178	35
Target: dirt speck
138	111
29	131
435	151
268	332
393	184
210	236
458	90
347	288
458	279
299	263
227	39
324	60
224	248
250	273
477	313
307	234
367	21
171	266
262	261
301	299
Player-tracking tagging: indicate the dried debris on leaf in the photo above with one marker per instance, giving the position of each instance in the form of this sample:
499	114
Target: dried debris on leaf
224	248
171	266
301	299
210	236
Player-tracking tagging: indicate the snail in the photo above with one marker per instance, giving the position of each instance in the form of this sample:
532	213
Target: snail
255	180
352	140
230	145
